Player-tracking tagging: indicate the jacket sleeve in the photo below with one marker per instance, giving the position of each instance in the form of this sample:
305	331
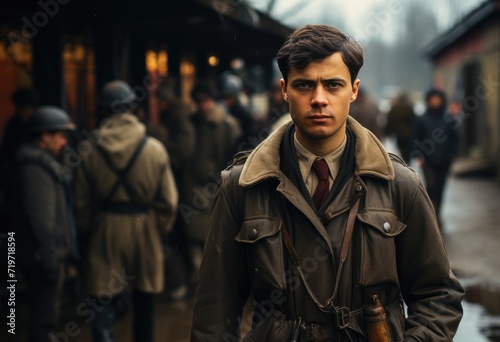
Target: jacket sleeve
40	208
223	284
429	287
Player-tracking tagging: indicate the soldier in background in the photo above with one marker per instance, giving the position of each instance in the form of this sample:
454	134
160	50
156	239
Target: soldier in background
277	106
231	90
365	111
42	216
217	133
400	120
176	131
126	199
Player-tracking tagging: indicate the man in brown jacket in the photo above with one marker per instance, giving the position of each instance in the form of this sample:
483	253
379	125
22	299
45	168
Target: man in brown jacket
319	220
126	198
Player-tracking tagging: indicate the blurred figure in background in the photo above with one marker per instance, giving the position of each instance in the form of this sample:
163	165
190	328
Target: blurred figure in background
217	134
231	90
175	129
400	119
42	216
435	142
277	106
365	111
25	101
126	199
176	132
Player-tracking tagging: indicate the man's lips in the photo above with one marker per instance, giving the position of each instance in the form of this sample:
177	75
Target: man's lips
319	117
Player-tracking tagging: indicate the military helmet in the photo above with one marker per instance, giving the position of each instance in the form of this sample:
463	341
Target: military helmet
230	85
116	95
49	118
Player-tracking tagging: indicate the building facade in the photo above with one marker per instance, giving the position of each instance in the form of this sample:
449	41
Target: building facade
466	64
67	49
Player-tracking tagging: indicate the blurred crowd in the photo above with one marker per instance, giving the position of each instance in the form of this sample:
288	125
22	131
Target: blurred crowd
121	209
124	208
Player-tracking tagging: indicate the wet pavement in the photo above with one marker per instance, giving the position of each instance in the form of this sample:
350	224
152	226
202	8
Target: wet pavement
471	232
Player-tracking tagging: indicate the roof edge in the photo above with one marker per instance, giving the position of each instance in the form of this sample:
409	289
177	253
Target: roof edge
476	16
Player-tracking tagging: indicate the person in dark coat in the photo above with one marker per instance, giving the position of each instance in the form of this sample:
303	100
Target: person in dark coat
42	216
176	131
217	134
400	119
435	142
25	101
319	221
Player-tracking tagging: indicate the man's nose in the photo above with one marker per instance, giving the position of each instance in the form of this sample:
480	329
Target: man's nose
319	97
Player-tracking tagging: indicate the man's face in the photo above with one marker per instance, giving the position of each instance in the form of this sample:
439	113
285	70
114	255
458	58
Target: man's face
204	103
435	102
319	97
53	142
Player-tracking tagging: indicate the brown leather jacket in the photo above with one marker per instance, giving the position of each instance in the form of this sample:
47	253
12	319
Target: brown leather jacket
396	252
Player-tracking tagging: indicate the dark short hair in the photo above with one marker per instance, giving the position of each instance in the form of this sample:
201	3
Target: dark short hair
315	43
204	87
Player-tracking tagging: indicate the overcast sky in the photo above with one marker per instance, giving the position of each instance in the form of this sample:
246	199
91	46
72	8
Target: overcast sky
359	17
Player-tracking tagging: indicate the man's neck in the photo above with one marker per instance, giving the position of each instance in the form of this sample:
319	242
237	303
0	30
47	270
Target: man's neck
324	146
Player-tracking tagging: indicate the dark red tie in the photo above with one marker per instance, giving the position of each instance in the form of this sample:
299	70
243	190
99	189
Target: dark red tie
321	193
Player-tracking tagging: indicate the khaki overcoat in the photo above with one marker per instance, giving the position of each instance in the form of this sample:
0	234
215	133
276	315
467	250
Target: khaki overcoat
124	249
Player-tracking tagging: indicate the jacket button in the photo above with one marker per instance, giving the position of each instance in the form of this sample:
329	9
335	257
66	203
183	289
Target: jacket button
387	227
359	188
253	234
256	270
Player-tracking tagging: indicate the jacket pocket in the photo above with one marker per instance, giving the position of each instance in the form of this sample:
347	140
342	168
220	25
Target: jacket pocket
378	250
262	238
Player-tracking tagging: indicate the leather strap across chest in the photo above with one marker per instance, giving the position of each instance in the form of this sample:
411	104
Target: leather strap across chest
346	243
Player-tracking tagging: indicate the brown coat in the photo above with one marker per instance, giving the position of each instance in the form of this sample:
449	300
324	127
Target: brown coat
124	249
396	251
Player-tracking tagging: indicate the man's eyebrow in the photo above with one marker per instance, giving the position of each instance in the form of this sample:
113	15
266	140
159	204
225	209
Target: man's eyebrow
334	79
328	80
302	80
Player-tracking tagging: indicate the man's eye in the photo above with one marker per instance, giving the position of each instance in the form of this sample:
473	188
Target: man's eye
333	85
303	85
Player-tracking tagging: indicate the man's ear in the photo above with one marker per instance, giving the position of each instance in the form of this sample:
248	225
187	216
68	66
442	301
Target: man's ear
355	88
283	89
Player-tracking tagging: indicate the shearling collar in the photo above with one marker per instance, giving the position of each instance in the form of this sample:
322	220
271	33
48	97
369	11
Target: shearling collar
371	158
